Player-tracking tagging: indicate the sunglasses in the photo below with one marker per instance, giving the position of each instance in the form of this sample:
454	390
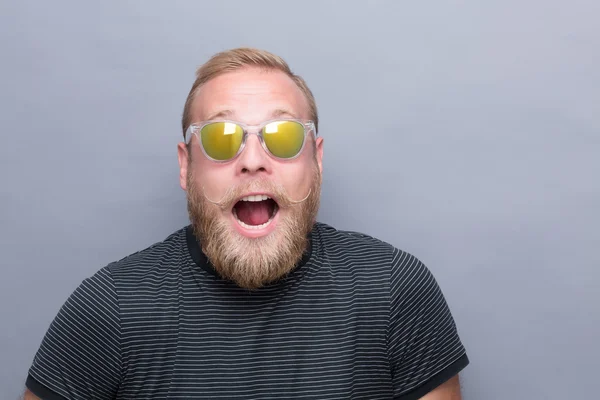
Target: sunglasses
224	140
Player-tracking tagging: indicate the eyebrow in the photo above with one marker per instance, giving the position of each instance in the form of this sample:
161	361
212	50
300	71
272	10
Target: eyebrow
219	114
280	112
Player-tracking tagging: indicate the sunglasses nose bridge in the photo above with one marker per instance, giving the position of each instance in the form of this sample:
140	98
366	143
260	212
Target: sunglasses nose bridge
255	130
253	156
252	130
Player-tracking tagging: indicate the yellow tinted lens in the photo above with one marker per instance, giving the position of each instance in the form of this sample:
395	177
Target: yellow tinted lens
284	138
221	140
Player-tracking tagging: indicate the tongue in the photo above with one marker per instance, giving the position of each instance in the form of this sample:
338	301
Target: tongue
253	212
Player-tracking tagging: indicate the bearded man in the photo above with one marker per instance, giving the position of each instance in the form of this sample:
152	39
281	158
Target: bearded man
254	299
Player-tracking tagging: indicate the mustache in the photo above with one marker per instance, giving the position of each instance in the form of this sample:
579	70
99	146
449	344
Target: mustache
276	191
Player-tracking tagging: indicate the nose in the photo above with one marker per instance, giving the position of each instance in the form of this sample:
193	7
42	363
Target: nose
253	159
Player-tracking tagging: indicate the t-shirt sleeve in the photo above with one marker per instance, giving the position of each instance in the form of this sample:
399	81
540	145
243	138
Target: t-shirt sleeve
79	357
425	349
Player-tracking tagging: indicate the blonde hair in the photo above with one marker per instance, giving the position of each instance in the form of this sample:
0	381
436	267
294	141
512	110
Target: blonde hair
232	60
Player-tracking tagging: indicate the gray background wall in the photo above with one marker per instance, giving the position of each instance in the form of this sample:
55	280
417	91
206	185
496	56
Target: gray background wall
467	133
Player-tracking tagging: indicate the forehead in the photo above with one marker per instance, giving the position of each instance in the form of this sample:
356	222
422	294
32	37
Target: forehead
250	95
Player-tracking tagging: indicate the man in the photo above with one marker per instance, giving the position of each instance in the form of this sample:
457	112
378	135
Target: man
255	299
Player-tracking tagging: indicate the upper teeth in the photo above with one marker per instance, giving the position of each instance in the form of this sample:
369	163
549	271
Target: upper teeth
256	197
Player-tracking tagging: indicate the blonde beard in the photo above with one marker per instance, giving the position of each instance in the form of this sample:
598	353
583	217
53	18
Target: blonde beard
254	262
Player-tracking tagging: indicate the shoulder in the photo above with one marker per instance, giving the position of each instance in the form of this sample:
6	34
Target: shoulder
404	268
360	244
154	259
130	272
354	242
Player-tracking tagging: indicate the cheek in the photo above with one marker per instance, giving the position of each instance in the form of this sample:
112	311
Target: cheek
213	179
297	180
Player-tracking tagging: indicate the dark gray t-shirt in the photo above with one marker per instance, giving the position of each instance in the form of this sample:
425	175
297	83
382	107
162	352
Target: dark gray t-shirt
356	319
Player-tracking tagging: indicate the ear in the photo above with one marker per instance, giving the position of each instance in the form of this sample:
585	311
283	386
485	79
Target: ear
182	155
319	155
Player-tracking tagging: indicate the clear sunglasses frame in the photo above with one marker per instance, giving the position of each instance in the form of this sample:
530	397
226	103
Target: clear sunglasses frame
195	129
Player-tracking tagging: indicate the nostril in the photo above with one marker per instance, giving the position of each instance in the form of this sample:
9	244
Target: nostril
247	171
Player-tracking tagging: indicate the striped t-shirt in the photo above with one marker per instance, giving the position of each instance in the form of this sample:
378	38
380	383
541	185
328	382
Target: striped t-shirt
357	319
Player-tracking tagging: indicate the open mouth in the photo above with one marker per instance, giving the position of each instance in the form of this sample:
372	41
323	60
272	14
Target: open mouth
255	211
